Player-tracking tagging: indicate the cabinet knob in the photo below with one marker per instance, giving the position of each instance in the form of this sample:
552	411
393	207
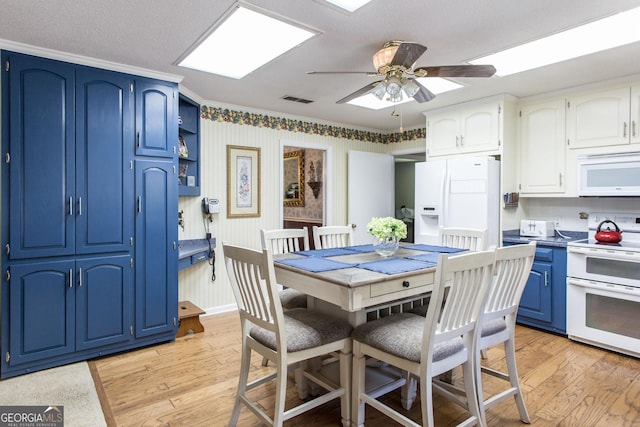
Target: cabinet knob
406	284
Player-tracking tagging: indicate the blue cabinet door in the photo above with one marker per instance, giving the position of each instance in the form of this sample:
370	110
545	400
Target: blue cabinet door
104	155
104	296
156	118
41	149
41	307
535	302
156	247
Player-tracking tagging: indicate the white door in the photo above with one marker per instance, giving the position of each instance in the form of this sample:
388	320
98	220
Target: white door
370	190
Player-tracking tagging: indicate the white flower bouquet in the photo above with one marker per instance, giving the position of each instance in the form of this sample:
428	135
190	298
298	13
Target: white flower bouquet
382	228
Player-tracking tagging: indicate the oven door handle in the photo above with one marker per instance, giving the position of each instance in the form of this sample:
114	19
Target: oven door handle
604	253
590	284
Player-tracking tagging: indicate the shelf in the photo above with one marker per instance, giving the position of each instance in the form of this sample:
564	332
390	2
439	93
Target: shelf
189	130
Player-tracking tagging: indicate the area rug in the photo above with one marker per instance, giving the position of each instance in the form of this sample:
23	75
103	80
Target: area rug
70	386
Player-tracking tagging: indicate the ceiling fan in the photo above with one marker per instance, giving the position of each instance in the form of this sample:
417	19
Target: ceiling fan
395	62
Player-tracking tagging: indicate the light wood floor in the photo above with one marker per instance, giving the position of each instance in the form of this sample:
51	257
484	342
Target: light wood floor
192	381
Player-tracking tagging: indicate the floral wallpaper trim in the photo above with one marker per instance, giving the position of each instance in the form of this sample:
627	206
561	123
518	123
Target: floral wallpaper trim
218	114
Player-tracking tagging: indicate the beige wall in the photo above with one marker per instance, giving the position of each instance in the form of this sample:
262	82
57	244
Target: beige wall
195	282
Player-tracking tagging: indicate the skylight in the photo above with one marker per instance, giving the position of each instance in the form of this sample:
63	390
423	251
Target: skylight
616	30
434	84
243	40
349	5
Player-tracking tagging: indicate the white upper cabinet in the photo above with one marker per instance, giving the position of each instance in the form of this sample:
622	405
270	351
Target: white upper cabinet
634	130
472	129
542	147
602	119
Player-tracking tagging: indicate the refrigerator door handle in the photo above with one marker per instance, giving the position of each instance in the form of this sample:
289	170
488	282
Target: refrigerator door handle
445	187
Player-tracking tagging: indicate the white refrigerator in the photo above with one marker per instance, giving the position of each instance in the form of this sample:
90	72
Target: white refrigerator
463	193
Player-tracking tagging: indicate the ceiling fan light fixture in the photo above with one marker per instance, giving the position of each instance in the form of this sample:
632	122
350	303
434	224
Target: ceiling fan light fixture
410	88
380	91
393	86
395	98
384	56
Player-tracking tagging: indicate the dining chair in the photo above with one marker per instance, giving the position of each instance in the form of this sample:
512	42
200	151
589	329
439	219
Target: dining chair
332	236
289	338
498	322
426	347
284	241
465	238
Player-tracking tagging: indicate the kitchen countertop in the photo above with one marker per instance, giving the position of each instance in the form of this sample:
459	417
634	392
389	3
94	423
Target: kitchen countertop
513	236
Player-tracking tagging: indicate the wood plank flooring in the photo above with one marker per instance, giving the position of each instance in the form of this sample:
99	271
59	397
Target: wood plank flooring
192	382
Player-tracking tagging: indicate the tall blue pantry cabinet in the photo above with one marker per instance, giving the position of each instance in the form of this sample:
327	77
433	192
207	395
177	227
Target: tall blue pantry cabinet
89	202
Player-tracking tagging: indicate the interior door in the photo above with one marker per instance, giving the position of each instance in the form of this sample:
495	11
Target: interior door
370	190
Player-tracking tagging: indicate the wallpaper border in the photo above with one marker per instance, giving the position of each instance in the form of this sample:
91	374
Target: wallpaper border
218	114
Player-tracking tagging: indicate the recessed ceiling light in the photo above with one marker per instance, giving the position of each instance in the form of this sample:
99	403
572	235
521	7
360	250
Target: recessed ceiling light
434	84
613	31
349	5
243	40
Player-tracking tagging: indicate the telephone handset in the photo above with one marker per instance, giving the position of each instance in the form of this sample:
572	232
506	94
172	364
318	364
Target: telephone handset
210	206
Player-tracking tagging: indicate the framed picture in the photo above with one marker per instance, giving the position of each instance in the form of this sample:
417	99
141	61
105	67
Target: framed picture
243	182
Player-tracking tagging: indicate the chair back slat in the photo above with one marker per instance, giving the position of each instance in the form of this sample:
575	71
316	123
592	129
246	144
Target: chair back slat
252	279
285	240
332	236
464	238
513	265
465	280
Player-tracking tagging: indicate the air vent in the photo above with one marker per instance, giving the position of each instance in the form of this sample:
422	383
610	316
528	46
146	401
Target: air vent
296	99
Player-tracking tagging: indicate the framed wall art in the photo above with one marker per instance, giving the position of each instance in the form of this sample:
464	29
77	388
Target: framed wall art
243	182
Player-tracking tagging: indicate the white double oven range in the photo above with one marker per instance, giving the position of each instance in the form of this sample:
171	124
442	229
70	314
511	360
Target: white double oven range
603	287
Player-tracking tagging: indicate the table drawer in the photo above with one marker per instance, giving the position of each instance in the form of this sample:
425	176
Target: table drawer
398	285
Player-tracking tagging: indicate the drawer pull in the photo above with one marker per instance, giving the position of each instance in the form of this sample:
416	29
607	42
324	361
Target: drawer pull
405	284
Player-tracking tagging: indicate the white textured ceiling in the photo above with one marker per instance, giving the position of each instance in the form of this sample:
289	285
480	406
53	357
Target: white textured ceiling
152	34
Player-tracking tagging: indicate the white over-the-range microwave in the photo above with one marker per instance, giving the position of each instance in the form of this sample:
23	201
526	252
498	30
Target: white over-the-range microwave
609	175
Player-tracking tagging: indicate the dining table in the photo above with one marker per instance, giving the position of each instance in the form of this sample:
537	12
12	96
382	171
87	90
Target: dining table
353	280
357	284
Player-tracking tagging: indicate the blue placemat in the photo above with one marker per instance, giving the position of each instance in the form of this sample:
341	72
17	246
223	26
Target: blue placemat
395	265
361	248
430	257
327	252
315	264
435	248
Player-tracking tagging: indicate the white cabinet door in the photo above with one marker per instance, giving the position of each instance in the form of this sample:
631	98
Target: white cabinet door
480	128
470	130
443	133
634	129
542	149
599	119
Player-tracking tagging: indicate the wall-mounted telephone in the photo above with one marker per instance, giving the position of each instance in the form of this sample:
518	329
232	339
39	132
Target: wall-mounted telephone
210	206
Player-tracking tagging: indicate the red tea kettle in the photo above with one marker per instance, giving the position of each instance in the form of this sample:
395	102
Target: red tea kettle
608	235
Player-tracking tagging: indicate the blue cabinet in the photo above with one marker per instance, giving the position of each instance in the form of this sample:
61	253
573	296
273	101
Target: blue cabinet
156	248
189	153
72	287
543	302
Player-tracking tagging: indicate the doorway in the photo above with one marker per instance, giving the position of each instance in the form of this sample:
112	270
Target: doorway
305	185
405	187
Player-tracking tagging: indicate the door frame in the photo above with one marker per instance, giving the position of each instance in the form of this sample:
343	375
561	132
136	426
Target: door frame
327	208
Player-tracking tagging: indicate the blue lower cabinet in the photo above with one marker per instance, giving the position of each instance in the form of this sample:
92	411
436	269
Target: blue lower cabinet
543	302
63	306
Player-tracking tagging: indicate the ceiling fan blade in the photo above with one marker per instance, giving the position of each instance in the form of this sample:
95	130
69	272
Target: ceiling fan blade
456	71
407	54
368	73
359	92
424	94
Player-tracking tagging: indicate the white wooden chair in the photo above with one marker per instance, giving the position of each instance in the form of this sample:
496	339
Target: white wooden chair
284	241
332	236
513	265
429	346
465	238
289	338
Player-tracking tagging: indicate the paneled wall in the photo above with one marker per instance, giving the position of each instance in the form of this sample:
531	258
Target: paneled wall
195	283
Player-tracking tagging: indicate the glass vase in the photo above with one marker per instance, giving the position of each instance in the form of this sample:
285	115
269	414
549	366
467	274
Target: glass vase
385	246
